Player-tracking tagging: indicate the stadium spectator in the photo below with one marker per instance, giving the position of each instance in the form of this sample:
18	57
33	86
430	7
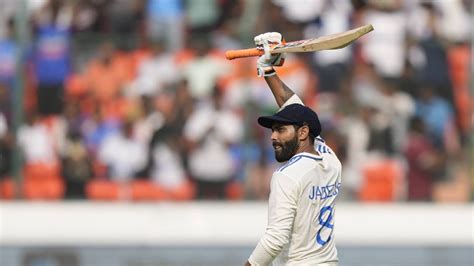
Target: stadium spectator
96	128
423	162
211	130
6	139
438	115
148	82
399	108
8	57
7	13
167	167
73	119
6	103
89	17
124	18
123	155
52	55
165	21
385	47
166	163
203	16
148	120
204	69
355	129
76	166
5	148
332	66
36	141
433	68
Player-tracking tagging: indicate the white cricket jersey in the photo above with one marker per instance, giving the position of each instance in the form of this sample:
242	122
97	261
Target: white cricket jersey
301	211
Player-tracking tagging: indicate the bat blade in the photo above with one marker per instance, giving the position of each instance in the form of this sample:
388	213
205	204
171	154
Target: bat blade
328	42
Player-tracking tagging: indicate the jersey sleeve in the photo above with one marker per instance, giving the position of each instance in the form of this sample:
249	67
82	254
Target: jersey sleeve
282	206
293	99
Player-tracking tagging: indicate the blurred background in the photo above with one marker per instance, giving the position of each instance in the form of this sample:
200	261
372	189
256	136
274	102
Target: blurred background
123	128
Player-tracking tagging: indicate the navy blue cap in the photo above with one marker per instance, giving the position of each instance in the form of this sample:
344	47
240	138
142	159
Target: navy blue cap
294	114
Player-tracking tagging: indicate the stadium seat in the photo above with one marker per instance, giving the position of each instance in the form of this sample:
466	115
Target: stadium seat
48	189
100	189
234	191
41	171
144	190
7	188
381	181
42	181
75	86
187	191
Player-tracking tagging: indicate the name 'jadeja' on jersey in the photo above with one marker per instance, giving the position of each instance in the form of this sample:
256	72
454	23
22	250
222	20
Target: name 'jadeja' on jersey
324	192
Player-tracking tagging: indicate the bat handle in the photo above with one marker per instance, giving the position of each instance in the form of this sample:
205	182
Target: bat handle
233	54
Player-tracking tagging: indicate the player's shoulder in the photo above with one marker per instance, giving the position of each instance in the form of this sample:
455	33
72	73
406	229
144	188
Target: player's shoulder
299	164
327	153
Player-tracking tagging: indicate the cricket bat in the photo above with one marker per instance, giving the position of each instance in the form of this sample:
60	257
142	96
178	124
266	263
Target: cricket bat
328	42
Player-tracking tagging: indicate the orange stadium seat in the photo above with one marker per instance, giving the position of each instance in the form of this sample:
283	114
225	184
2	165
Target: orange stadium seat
48	189
41	171
75	86
42	181
7	188
100	189
143	190
235	191
459	61
381	180
118	108
187	191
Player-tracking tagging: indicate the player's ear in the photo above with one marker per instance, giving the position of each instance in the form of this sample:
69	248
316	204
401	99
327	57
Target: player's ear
303	132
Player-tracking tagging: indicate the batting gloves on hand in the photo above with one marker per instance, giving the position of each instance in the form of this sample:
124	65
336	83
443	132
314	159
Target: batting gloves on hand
267	61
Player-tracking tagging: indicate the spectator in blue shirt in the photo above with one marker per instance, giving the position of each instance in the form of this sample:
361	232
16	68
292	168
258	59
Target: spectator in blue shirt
51	55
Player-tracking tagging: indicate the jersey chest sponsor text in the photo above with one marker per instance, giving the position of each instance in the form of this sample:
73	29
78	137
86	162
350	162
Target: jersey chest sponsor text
324	192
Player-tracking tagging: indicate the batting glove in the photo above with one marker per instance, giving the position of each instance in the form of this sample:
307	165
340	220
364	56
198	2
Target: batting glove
267	61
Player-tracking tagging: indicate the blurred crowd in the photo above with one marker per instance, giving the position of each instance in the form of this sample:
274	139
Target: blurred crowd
134	100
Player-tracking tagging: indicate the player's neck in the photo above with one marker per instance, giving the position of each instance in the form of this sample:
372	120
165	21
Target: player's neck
305	146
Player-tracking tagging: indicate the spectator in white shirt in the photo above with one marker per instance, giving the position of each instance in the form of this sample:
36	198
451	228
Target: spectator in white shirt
155	73
385	47
36	142
211	130
203	70
122	154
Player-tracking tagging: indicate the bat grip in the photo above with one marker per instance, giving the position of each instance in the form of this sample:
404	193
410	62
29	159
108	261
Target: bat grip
233	54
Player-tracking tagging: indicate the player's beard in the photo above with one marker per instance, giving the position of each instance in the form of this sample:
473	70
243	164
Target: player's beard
288	149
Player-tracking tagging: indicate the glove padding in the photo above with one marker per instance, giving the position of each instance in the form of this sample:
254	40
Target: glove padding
264	42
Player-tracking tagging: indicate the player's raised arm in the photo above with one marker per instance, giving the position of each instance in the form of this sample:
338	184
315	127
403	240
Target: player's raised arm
265	68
